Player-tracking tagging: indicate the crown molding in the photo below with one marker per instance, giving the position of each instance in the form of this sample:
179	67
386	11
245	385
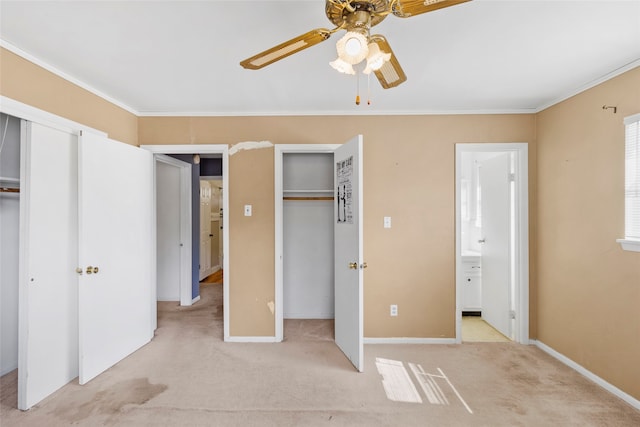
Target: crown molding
591	84
21	53
333	113
10	47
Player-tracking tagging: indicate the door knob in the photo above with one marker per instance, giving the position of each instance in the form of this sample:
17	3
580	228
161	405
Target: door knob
353	265
79	270
93	270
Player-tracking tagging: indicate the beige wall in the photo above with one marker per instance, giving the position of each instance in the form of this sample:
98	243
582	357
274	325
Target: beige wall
408	175
588	287
23	81
584	289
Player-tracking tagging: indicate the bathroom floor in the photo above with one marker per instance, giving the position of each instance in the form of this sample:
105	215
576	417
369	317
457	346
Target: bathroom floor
474	329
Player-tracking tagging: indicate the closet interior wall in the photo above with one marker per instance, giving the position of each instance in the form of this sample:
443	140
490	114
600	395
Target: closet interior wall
9	240
308	248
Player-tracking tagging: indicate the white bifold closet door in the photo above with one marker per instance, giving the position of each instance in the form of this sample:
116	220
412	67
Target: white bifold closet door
48	283
115	183
83	205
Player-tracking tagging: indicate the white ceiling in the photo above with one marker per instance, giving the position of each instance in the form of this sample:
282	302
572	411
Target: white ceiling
182	57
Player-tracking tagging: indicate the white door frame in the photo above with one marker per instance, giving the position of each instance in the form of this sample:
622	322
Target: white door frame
279	151
521	330
223	150
185	229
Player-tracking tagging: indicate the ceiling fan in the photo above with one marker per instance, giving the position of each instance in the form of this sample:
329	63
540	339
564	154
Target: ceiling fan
356	17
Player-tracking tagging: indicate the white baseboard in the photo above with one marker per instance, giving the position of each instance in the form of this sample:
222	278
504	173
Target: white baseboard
251	339
195	300
8	369
587	373
409	340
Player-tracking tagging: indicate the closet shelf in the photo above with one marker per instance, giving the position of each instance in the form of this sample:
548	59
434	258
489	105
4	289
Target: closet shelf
308	191
306	198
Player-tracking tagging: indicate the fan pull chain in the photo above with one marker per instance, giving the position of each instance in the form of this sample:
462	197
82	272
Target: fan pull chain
369	89
357	88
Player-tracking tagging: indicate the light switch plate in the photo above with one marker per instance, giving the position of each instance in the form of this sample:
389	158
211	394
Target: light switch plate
247	210
387	222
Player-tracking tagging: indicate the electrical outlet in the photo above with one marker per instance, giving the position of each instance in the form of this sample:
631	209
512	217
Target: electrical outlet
247	210
393	310
387	222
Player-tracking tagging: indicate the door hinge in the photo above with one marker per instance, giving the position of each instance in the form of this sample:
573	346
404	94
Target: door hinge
512	177
512	314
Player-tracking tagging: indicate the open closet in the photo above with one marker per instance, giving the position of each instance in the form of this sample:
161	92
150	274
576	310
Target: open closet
319	261
308	236
9	240
75	265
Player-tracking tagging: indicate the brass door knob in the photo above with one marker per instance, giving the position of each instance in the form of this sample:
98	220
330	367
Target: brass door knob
93	270
353	265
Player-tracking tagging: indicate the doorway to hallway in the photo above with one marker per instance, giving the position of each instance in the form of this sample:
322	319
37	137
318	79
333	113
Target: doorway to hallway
198	152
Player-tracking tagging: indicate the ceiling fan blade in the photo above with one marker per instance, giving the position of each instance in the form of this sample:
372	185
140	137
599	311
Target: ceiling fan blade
409	8
287	48
391	73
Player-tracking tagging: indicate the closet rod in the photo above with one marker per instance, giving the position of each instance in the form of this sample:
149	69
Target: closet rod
307	198
7	184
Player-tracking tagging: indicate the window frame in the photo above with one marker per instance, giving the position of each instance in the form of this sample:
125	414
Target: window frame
631	243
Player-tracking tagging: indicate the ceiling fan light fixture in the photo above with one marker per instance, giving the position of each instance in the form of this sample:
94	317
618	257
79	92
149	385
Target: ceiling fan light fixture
376	58
352	47
342	66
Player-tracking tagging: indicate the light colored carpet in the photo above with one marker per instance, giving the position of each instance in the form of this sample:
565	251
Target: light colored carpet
188	377
297	330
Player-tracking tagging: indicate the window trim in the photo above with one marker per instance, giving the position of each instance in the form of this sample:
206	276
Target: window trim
627	243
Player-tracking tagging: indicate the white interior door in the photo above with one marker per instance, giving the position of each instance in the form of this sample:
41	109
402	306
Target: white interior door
48	294
115	207
349	251
495	186
173	233
168	236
